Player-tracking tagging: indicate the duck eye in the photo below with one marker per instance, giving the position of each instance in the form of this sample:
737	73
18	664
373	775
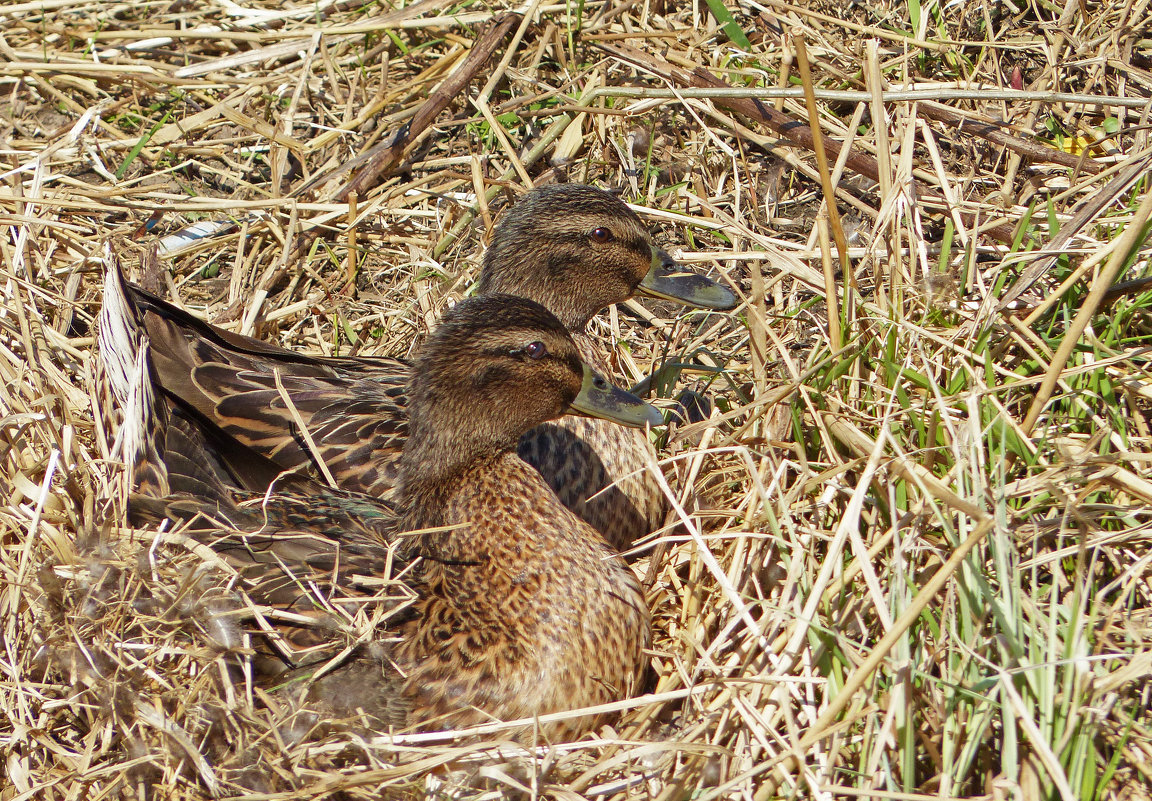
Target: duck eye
600	235
536	350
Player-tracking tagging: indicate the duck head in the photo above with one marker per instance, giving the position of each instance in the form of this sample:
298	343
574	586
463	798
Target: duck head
577	249
495	367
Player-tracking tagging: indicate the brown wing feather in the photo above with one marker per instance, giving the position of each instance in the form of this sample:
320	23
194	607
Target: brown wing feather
355	409
358	425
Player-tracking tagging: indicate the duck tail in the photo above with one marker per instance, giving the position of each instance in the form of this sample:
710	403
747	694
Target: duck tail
126	368
168	452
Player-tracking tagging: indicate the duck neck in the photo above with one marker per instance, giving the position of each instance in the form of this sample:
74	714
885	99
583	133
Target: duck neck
433	467
591	352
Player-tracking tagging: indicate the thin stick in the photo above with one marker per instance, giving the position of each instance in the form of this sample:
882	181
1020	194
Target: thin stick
529	15
832	297
304	432
822	158
499	132
350	260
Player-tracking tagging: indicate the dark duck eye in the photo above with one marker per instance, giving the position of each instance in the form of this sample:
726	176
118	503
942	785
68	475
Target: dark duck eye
600	235
536	350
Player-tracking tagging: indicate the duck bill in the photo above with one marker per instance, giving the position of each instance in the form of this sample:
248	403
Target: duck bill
668	280
598	398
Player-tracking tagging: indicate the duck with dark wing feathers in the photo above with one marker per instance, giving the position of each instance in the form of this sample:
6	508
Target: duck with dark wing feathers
521	609
572	248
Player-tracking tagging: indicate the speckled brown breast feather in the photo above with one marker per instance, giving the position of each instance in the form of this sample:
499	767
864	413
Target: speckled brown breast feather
599	469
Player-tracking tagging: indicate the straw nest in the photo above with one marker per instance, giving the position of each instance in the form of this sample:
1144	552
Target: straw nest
910	553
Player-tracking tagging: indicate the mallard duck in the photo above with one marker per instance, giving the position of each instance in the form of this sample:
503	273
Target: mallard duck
521	608
572	248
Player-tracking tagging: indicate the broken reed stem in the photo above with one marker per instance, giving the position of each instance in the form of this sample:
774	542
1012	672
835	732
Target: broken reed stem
505	143
481	194
302	427
822	163
529	17
350	260
835	336
786	60
875	83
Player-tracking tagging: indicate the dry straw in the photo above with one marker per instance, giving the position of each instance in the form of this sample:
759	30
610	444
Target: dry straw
909	556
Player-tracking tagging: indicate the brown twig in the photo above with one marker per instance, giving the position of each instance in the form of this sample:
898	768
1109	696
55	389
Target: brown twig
383	158
998	136
378	162
795	132
822	159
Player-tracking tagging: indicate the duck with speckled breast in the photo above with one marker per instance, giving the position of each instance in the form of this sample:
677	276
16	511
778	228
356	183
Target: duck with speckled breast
574	249
521	608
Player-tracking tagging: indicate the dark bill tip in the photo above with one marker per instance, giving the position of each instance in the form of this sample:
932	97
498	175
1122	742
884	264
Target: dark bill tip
668	280
598	398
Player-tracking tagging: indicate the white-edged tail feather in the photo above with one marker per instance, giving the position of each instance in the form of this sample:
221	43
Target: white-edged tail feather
124	356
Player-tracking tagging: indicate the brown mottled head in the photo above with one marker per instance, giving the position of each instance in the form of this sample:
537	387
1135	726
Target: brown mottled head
577	249
495	367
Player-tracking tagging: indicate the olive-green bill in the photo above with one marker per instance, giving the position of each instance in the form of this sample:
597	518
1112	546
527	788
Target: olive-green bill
598	398
668	280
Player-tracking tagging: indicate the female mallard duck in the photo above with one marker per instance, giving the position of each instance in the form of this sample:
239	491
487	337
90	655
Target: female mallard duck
522	609
572	248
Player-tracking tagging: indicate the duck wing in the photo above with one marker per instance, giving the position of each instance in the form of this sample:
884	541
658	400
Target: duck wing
354	409
302	538
186	470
